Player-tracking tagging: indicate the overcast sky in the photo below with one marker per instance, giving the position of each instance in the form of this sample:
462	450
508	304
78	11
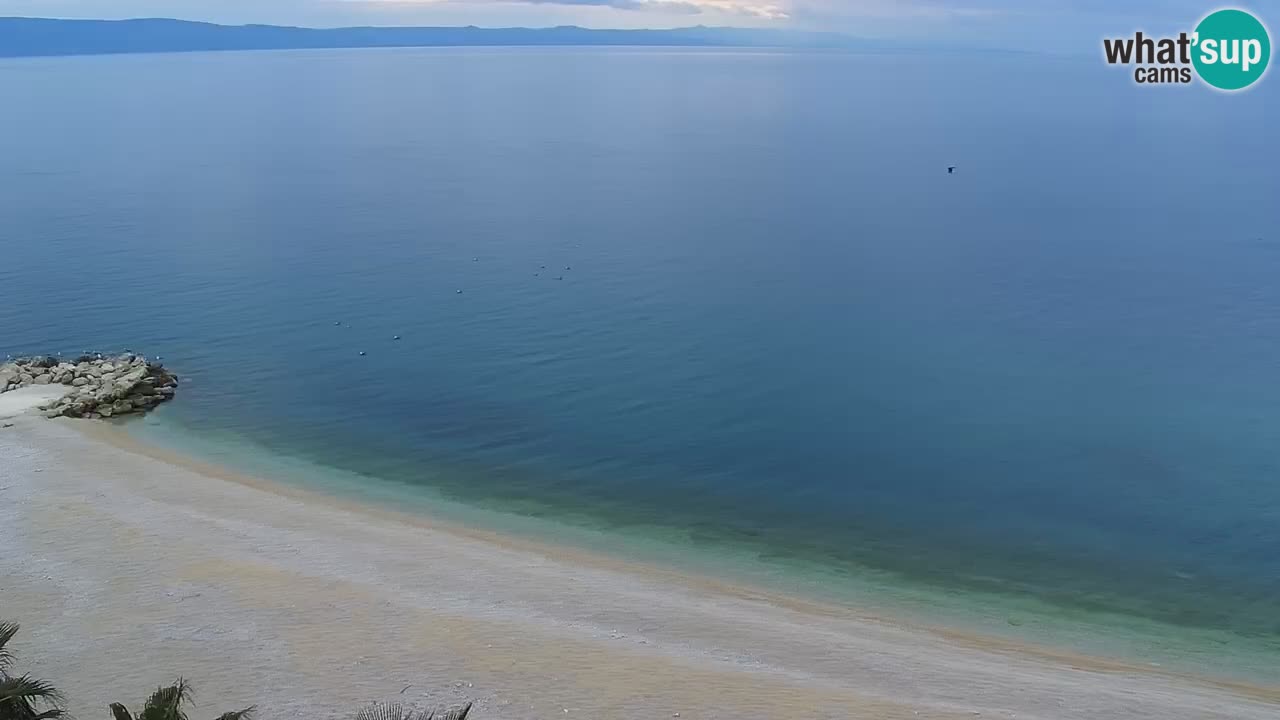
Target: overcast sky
1052	24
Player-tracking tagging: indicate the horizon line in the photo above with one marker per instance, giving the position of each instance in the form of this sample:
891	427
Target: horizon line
150	35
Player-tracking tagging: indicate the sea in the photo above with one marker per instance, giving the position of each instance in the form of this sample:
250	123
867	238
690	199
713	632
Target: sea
720	309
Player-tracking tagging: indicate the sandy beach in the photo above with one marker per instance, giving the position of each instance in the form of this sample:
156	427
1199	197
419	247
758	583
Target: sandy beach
128	565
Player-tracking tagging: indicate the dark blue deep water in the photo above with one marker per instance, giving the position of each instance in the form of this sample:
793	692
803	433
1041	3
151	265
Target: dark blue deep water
732	295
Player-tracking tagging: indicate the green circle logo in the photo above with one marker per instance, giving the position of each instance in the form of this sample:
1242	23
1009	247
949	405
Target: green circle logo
1231	49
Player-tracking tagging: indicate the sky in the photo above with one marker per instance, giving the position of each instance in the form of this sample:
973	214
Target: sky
1056	25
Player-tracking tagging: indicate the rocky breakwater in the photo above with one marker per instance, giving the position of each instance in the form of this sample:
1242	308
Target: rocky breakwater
98	386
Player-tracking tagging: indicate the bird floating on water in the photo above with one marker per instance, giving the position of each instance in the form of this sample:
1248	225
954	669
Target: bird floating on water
459	292
339	322
951	169
396	337
361	353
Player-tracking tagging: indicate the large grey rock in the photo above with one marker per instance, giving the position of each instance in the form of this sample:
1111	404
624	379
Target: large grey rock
99	387
129	382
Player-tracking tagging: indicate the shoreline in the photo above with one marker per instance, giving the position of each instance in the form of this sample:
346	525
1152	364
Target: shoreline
722	583
649	631
1060	631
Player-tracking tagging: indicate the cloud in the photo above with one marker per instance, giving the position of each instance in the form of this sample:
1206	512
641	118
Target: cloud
673	6
490	13
760	9
1066	25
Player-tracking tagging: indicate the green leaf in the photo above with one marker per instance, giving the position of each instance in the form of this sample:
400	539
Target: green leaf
396	711
29	689
381	711
21	696
166	703
7	631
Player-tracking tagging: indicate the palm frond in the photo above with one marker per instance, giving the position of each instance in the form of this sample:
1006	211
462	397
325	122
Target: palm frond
120	712
166	703
7	631
20	697
245	714
29	689
396	711
382	711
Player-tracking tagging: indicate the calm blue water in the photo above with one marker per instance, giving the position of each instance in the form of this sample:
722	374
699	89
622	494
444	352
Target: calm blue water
729	297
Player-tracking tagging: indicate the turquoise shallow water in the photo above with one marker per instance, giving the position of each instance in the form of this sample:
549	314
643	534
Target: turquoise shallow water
728	299
1212	652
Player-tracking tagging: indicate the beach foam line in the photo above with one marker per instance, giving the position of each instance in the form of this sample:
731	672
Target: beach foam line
135	558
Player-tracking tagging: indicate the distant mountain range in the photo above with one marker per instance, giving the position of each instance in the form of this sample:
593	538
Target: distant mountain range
38	36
